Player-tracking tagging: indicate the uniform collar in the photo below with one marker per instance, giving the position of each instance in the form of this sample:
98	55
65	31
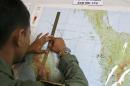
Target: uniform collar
5	68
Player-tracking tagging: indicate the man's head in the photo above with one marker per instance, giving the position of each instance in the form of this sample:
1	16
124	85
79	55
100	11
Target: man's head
14	27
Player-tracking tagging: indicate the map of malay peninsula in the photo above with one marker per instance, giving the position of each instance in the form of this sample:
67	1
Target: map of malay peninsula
100	39
114	55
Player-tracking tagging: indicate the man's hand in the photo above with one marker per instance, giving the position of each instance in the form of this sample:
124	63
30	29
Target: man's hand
42	71
36	46
58	46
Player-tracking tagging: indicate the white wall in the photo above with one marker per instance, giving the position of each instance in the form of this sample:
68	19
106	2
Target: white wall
123	5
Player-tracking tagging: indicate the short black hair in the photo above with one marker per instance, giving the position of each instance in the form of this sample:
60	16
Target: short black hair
13	14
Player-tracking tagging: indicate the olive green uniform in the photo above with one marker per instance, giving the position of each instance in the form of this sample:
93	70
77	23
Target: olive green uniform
68	66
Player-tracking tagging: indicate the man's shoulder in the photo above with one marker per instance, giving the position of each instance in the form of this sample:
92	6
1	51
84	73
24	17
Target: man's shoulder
5	69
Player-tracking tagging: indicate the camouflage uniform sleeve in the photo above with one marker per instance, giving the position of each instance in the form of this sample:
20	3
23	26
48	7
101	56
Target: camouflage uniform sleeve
7	81
72	72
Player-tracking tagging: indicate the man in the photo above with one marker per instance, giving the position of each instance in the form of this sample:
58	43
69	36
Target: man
14	46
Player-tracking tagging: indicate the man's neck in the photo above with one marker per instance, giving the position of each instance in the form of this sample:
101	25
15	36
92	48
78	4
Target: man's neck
7	54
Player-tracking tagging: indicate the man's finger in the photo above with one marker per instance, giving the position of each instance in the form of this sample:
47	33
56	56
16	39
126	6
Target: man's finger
38	36
58	38
44	36
49	38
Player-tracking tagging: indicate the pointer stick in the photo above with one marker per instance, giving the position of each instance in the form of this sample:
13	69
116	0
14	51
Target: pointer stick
52	33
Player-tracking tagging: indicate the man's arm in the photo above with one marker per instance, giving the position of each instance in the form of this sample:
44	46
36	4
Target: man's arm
72	72
68	65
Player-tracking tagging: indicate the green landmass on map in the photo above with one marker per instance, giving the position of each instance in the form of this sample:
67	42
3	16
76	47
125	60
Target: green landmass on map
115	46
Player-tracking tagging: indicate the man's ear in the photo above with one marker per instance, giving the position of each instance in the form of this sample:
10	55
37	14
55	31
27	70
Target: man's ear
18	37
